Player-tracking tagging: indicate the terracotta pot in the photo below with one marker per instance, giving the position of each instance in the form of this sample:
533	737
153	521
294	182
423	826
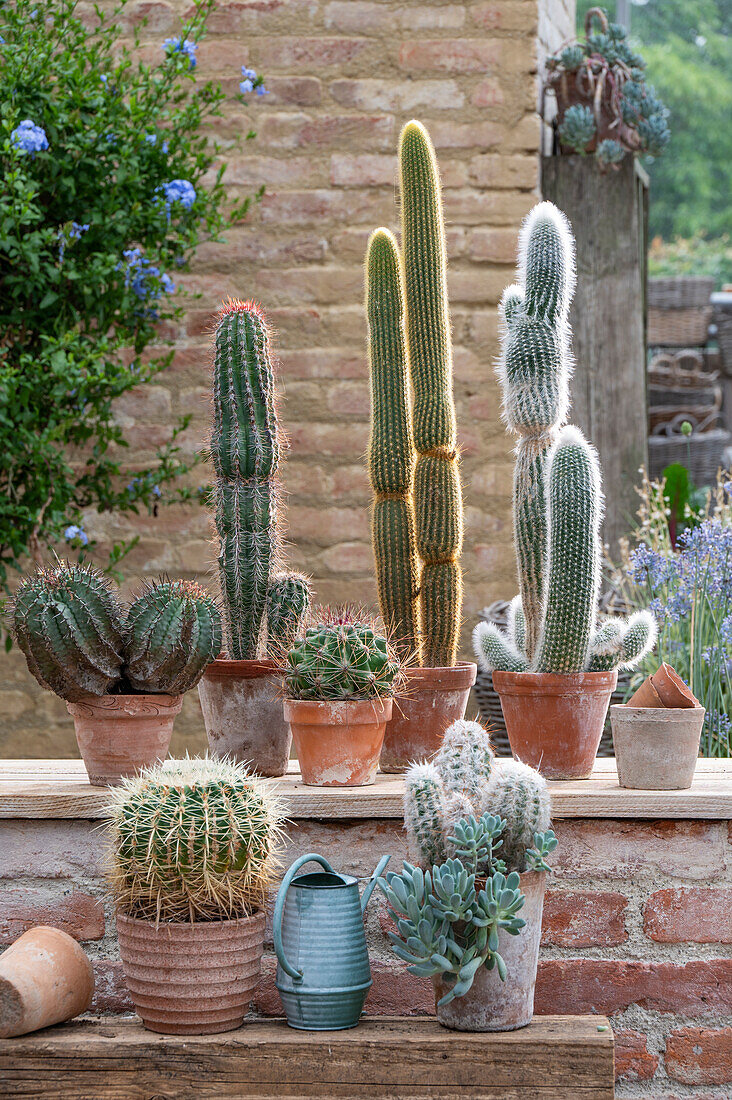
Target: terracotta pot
191	979
338	742
671	689
656	750
645	696
433	700
555	720
119	734
242	710
45	978
493	1005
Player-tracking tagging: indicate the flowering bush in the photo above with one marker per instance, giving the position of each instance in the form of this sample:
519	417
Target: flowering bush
690	593
105	193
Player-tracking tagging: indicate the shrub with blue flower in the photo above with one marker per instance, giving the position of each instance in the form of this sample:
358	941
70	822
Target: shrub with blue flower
77	535
27	137
183	46
181	191
252	82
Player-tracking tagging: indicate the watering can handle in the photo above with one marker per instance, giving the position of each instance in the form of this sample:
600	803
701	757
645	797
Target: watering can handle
288	968
372	882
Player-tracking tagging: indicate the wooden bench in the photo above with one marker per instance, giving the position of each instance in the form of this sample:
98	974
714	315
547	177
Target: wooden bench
557	1057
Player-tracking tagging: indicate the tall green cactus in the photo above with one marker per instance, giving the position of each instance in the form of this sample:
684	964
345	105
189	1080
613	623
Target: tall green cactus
245	449
70	628
417	335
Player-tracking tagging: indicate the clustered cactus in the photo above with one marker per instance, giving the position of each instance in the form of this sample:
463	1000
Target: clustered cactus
341	660
245	450
79	640
557	496
417	527
193	840
474	825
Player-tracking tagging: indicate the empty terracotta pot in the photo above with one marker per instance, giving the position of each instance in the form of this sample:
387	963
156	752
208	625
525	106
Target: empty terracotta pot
242	711
434	698
656	748
45	978
671	689
554	721
338	742
191	979
493	1005
119	734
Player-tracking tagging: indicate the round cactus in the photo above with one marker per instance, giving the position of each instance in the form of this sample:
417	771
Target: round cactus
193	840
341	660
174	632
70	628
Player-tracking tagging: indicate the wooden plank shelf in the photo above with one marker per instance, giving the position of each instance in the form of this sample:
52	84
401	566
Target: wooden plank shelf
96	1059
59	789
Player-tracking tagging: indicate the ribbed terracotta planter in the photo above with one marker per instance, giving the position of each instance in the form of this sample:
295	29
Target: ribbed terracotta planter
45	978
119	734
434	698
191	979
338	742
656	748
493	1005
555	721
242	711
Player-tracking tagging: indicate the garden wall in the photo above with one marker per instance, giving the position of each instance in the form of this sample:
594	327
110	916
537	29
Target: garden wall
343	75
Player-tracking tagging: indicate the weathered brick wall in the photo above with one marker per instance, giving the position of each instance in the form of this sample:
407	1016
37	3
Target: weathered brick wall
637	925
344	75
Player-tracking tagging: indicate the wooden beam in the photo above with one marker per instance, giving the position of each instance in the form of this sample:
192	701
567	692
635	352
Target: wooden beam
59	788
555	1056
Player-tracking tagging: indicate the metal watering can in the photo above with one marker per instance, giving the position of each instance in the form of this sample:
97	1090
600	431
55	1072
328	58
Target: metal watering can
323	972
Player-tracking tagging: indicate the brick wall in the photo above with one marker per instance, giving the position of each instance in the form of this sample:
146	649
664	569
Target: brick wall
637	925
344	75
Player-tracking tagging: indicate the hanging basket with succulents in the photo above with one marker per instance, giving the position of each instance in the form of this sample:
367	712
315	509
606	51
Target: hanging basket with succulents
604	105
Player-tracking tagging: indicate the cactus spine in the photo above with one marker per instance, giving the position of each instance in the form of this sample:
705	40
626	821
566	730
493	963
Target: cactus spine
429	450
288	600
519	795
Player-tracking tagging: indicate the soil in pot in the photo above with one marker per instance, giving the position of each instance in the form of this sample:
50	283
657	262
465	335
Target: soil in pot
338	742
191	979
120	734
554	721
45	978
493	1005
242	711
434	698
656	748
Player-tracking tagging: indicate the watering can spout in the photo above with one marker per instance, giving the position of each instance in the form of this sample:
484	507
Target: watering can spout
372	882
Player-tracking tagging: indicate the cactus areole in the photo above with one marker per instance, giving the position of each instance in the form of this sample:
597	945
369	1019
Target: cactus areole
556	665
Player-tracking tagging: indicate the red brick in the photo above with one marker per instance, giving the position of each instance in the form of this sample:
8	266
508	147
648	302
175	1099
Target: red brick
498	246
159	17
110	992
361	17
304	91
315	207
700	1055
624	849
488	93
457	55
310	284
584	919
506	15
335	363
289	171
691	914
300	131
69	850
395	95
323	525
315	53
570	986
349	557
79	914
633	1060
368	170
257	17
499	171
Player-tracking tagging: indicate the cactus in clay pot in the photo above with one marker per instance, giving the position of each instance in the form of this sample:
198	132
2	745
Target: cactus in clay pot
557	496
345	660
174	632
70	628
193	840
417	527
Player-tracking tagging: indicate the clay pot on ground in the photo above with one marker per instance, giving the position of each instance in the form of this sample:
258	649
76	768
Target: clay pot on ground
191	979
554	721
120	734
656	748
338	742
493	1005
242	711
434	698
45	978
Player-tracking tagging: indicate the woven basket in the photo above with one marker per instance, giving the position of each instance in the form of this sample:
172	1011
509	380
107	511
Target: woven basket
680	292
702	452
661	398
679	327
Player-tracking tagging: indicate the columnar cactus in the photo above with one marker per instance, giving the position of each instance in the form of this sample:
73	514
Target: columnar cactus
174	632
346	660
70	628
288	600
425	813
416	334
245	449
520	796
557	498
193	840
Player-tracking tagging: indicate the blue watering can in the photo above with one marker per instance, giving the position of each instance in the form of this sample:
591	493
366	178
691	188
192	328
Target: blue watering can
323	972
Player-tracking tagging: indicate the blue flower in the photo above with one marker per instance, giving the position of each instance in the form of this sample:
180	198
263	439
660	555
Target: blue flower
104	78
152	139
145	280
246	86
181	191
29	138
177	45
72	234
251	82
261	90
78	534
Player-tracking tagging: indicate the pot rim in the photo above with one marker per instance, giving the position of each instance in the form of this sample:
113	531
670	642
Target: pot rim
554	683
107	701
447	677
361	710
225	668
190	927
660	713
